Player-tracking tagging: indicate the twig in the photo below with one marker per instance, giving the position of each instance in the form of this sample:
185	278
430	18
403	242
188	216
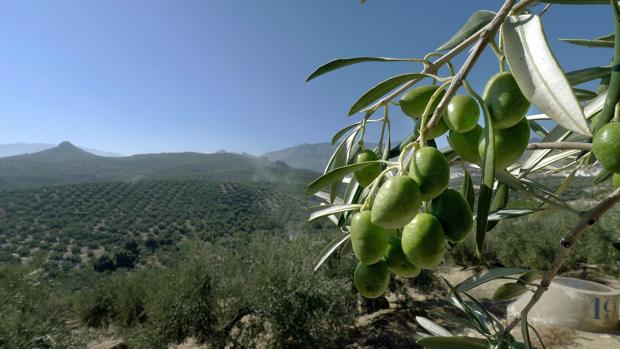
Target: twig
430	69
487	34
520	7
560	145
588	218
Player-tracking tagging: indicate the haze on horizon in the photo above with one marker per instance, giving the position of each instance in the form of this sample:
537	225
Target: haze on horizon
152	76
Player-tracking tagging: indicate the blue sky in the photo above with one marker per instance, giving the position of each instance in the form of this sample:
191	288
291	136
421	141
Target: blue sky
202	75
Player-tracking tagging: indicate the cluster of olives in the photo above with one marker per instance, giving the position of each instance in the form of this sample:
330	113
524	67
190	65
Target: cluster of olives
394	235
606	148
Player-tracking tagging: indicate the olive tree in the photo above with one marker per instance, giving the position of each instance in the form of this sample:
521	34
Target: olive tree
392	203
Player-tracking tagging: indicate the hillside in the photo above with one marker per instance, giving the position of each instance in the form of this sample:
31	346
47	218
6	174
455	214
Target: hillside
73	224
312	157
67	164
27	148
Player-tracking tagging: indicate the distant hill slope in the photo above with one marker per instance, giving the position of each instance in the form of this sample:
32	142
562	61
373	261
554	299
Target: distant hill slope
26	148
307	156
67	164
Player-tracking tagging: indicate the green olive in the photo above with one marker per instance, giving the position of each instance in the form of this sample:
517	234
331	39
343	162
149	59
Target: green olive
366	175
396	203
423	241
368	240
462	114
505	101
510	143
431	171
414	102
373	280
397	262
466	144
606	146
454	214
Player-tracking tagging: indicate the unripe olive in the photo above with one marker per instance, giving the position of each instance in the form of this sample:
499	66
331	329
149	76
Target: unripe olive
437	131
462	114
366	175
466	144
510	143
606	146
615	180
505	101
372	280
414	102
431	171
397	262
423	241
368	240
454	214
396	202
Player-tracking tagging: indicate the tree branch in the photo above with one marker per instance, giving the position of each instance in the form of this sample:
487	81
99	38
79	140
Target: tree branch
588	218
487	34
560	145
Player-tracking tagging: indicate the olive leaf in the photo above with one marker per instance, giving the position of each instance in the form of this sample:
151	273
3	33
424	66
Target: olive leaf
433	328
500	215
467	189
475	22
538	75
589	42
584	95
345	62
340	133
488	178
560	134
500	200
330	210
508	291
603	176
454	342
382	89
485	276
336	175
580	76
330	248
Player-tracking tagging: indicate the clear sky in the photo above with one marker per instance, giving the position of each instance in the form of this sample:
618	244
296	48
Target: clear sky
202	75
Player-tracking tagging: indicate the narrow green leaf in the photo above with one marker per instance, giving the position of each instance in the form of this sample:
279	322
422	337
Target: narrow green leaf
382	89
584	95
475	22
486	276
589	42
508	291
538	128
467	189
345	62
525	332
602	177
500	200
330	210
456	342
343	131
530	276
330	248
539	75
500	215
577	77
433	328
488	178
335	175
613	92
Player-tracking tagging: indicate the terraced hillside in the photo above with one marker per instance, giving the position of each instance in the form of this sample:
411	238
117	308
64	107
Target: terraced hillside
72	225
